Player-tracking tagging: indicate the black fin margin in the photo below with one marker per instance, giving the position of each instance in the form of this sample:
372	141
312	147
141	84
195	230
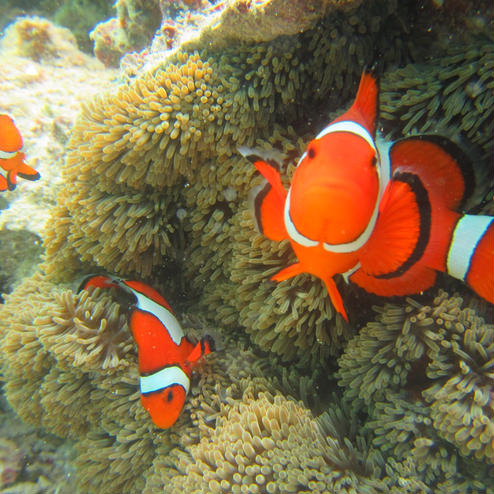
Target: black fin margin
210	341
25	176
463	161
253	155
261	195
424	205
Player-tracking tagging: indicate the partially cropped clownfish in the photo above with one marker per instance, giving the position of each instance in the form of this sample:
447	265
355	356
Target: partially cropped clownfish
385	216
165	355
11	156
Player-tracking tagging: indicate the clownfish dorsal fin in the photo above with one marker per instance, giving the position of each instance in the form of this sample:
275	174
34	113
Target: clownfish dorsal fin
94	281
364	108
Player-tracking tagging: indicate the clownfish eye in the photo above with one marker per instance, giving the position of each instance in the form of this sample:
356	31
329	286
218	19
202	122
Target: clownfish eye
374	162
169	396
311	152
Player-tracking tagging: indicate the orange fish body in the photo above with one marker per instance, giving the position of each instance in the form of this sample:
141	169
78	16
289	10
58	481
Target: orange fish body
383	215
165	356
11	156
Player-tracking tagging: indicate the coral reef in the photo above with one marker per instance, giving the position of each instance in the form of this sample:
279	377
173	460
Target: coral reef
43	99
66	349
77	15
162	175
443	97
154	188
424	374
265	444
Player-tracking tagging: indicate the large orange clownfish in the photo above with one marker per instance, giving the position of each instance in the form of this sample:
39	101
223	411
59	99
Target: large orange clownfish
385	216
165	355
11	156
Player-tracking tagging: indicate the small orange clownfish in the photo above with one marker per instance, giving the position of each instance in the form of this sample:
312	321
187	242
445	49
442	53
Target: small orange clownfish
385	216
165	355
11	156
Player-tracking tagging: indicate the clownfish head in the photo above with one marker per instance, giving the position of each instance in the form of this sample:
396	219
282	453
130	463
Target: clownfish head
335	188
165	406
10	137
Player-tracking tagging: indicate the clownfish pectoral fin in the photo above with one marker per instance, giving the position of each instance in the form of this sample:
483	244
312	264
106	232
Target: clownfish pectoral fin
27	172
268	201
335	297
288	272
11	180
204	347
392	260
402	230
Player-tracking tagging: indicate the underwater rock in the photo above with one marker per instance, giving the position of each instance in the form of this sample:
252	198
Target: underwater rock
20	253
42	41
263	20
131	30
11	462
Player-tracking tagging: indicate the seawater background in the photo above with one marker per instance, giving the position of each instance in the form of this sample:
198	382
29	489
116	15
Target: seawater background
43	90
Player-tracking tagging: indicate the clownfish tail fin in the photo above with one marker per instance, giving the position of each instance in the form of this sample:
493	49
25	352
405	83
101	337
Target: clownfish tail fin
471	254
203	347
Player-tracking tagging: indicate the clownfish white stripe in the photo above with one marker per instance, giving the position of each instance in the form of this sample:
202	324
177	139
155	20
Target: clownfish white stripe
349	126
5	155
163	379
166	318
383	163
302	158
294	234
467	234
349	273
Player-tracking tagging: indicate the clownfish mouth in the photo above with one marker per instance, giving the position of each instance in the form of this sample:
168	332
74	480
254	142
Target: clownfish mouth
334	214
